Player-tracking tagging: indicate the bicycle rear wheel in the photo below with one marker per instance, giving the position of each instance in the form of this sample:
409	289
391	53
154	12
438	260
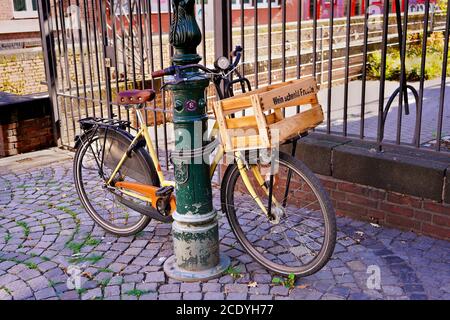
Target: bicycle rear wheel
99	154
301	238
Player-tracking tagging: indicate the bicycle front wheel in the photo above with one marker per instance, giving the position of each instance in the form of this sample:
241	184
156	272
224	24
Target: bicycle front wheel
300	235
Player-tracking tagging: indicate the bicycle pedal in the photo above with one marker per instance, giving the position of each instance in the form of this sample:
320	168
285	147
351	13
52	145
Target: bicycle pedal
164	191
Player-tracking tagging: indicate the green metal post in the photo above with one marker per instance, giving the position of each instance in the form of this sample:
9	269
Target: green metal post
195	228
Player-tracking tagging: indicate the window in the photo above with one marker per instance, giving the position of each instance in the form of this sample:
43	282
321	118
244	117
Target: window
25	8
125	10
250	3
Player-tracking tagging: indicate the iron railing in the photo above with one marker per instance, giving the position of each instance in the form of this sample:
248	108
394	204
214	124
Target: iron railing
95	48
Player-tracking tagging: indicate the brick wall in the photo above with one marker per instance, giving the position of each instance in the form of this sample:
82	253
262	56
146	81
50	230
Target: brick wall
389	208
25	124
26	136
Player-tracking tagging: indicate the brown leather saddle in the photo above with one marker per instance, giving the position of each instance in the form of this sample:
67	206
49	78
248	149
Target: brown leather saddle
136	96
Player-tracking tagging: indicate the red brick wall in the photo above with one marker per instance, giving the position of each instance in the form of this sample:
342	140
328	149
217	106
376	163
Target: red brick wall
25	136
389	208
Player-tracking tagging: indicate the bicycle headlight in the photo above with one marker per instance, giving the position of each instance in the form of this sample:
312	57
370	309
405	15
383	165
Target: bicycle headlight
222	63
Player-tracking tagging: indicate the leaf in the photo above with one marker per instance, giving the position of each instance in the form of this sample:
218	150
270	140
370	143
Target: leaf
252	284
277	280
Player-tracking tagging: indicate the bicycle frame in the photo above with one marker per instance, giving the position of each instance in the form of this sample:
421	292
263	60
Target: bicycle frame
242	167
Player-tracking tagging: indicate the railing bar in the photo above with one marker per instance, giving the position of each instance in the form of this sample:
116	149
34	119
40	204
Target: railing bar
106	69
403	90
443	81
114	36
169	8
364	71
230	26
89	53
124	57
74	57
269	40
66	61
152	67
347	65
141	49
55	6
422	74
162	94
314	61
330	67
299	40
256	43
283	38
97	53
48	42
203	32
83	66
382	77
131	37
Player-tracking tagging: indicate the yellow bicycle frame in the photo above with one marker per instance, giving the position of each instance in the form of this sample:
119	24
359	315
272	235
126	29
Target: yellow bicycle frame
143	132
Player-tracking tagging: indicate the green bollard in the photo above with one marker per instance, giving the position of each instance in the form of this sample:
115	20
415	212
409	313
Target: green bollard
195	228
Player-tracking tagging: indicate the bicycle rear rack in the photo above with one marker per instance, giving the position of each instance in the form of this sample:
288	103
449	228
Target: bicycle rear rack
88	124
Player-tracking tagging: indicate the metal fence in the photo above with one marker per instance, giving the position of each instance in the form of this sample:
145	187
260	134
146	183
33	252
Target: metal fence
96	48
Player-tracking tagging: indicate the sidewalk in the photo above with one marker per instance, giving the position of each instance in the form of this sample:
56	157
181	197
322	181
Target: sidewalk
40	214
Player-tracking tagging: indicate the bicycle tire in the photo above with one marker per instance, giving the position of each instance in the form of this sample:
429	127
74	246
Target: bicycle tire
139	157
227	196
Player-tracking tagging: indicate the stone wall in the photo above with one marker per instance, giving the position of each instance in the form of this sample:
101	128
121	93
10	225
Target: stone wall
22	71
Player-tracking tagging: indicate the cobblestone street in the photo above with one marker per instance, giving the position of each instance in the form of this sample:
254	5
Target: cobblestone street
44	233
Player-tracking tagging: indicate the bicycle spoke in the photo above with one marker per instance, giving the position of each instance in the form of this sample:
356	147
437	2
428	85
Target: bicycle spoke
296	235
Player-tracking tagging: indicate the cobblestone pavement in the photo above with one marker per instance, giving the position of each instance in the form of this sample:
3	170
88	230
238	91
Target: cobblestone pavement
45	233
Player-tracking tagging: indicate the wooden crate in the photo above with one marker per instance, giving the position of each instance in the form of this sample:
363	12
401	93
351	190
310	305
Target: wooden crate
266	126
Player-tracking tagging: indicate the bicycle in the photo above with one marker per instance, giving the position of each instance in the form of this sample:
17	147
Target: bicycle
284	220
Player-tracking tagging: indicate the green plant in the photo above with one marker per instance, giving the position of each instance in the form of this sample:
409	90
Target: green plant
31	265
75	246
7	237
92	242
413	61
288	282
81	291
6	290
92	259
136	293
234	272
105	282
105	270
25	228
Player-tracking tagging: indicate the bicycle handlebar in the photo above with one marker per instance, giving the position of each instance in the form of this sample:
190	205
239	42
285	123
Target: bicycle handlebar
173	69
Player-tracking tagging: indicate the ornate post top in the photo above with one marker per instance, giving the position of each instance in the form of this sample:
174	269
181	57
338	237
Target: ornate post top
185	34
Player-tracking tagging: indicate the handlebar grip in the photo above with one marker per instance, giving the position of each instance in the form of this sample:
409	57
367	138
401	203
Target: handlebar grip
165	72
158	74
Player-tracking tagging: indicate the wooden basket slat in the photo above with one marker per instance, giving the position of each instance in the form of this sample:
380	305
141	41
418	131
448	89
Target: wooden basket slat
267	119
297	124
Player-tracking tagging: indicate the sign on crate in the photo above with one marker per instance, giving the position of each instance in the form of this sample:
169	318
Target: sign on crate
267	126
